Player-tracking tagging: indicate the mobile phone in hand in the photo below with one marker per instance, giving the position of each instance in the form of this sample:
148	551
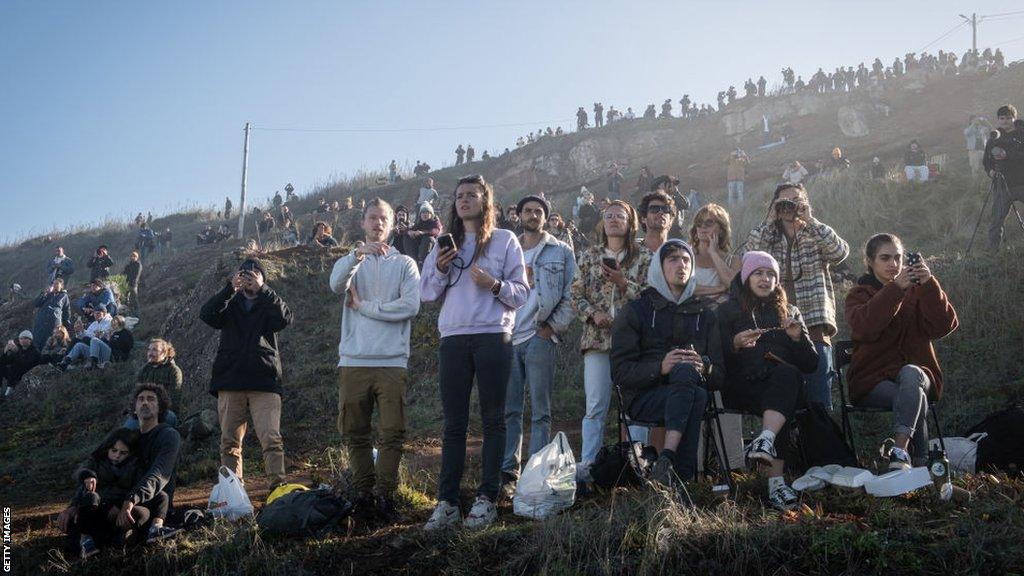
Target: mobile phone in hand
610	262
446	242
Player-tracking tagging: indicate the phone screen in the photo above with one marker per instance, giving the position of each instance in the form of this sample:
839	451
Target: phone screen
610	262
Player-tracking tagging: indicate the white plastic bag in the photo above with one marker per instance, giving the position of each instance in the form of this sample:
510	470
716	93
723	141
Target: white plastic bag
548	483
228	498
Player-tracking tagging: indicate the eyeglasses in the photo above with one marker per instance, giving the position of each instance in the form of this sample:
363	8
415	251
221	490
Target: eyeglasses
614	216
659	209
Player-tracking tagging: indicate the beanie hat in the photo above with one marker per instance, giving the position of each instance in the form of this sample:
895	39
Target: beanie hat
25	334
757	259
531	198
252	264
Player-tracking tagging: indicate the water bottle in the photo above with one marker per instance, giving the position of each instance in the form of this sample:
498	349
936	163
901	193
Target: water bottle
938	467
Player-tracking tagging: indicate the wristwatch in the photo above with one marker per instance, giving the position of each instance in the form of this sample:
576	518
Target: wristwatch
496	287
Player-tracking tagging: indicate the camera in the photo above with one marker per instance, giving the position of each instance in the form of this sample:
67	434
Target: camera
783	205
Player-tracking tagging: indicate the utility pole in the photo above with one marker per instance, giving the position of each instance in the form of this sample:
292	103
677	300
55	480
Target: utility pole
973	21
245	169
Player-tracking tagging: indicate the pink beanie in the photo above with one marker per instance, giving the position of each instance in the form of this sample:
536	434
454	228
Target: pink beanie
754	260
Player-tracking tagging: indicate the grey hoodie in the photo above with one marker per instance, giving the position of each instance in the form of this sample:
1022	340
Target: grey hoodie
656	277
377	333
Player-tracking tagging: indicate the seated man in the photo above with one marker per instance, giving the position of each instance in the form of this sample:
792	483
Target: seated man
421	236
90	344
665	351
17	359
150	499
99	296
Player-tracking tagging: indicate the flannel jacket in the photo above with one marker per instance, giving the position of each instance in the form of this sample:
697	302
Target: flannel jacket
804	265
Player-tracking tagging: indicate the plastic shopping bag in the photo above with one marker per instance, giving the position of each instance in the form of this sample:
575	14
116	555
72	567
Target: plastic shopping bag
548	483
228	498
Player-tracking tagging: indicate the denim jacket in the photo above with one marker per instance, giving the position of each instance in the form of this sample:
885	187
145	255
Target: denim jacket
553	272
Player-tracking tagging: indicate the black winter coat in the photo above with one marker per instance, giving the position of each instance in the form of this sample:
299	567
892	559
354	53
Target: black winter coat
247	358
749	364
121	343
17	362
648	328
1012	168
101	266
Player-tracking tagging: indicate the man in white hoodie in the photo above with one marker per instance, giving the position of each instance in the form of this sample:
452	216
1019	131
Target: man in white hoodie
381	292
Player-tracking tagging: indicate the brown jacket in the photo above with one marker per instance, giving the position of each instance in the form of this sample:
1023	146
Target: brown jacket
891	328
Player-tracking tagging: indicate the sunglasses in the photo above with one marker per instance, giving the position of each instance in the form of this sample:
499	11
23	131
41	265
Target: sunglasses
659	209
705	223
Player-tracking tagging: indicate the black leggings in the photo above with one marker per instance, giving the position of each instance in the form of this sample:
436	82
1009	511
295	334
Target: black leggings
781	390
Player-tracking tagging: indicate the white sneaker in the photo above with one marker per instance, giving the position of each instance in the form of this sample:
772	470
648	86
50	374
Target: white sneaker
761	451
445	516
483	513
783	497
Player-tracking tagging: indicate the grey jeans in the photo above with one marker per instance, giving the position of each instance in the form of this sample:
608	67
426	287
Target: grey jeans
908	399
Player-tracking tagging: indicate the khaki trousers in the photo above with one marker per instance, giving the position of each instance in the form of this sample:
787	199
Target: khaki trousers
232	408
358	390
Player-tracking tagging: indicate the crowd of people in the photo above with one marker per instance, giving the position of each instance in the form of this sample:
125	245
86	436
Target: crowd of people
669	314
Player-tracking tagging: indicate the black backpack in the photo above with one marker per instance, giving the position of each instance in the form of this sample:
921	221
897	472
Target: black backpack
622	464
304	513
1003	448
819	440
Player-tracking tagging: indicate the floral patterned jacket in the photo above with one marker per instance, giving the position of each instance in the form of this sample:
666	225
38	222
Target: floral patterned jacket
592	293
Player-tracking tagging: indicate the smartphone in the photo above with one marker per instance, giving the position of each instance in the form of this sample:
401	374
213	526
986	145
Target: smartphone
610	262
446	242
913	259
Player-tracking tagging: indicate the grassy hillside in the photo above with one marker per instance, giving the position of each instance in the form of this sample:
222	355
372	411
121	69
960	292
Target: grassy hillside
52	422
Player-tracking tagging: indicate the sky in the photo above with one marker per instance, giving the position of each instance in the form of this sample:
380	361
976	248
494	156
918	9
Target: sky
115	107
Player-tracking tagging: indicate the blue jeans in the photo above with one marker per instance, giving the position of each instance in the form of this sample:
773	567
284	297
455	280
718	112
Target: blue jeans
486	358
819	383
680	405
97	349
533	364
597	385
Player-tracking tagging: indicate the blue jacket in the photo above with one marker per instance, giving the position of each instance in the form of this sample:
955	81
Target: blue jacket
54	309
63	268
553	271
105	297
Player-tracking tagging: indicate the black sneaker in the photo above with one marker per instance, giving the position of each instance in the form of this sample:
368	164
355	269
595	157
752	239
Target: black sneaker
761	451
783	497
663	473
161	533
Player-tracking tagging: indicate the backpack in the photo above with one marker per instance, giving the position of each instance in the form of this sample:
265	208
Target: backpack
304	513
1003	448
819	439
622	464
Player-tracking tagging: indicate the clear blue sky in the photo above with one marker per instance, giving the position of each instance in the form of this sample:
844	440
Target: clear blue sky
112	107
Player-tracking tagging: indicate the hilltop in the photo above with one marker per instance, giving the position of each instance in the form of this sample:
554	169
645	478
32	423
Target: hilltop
46	427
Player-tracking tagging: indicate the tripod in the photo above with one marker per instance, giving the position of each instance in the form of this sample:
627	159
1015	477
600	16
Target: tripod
998	184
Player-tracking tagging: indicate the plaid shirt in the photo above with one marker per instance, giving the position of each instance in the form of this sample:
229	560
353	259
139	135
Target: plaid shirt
804	265
592	293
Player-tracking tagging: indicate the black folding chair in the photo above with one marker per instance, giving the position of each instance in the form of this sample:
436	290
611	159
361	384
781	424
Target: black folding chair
711	414
842	352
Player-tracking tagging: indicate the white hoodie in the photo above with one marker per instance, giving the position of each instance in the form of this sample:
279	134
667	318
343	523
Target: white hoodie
377	333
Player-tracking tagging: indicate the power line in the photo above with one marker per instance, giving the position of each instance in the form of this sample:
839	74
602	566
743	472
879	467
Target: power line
394	130
1018	39
1001	14
943	36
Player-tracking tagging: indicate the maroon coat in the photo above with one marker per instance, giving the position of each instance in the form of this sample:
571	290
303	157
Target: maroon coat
892	327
